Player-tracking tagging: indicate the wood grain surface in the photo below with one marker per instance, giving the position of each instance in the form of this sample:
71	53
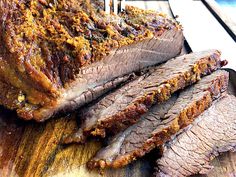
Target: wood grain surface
29	149
32	149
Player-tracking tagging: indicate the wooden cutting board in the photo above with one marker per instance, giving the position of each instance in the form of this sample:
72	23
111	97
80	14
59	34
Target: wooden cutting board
29	149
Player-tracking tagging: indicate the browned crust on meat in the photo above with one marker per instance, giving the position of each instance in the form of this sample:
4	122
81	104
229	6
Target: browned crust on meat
141	105
168	128
46	44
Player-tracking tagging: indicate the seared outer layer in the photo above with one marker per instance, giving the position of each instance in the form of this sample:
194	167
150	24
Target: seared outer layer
210	134
45	44
161	122
123	107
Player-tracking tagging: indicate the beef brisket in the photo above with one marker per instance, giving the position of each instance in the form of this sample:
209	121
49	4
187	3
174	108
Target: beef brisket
55	52
123	107
211	133
161	122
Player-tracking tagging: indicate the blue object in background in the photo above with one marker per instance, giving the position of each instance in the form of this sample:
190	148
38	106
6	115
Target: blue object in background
229	7
227	3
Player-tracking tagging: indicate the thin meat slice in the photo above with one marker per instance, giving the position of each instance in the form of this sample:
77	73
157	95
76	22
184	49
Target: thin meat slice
123	107
213	132
55	52
161	122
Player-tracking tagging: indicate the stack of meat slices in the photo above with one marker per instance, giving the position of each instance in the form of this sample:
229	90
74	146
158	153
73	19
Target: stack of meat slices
180	107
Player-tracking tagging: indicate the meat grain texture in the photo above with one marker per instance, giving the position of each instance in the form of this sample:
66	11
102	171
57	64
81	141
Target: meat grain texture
57	56
213	132
123	107
161	122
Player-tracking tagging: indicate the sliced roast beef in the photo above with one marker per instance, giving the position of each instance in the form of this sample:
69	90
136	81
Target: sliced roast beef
213	132
57	52
161	122
123	107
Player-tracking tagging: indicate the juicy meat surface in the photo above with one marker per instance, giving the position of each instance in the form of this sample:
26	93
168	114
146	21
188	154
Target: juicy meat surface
54	52
161	122
213	132
124	106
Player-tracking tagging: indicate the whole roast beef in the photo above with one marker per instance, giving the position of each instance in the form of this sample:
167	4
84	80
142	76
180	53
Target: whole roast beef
56	56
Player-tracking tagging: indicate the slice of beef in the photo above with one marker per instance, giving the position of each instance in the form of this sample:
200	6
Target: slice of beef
14	98
211	133
55	52
161	122
123	107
